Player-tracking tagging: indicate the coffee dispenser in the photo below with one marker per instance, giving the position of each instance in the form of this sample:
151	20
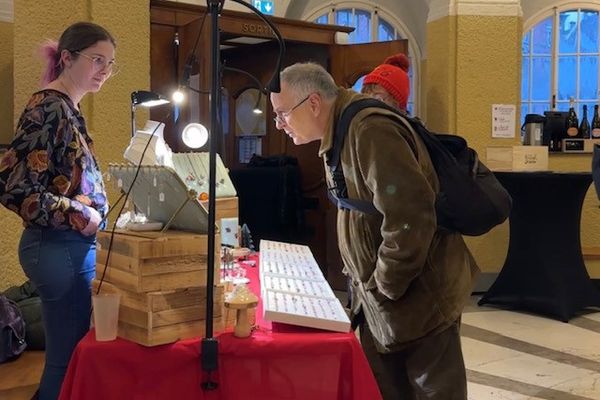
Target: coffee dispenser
531	131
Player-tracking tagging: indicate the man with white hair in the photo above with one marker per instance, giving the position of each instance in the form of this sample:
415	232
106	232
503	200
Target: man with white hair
410	279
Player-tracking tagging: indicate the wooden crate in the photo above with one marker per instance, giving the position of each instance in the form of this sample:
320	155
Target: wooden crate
156	318
154	261
227	207
517	158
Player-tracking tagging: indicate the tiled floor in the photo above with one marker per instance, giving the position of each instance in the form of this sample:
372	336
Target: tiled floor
508	355
517	356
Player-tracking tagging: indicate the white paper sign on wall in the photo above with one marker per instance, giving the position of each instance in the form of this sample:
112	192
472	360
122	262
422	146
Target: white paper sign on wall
503	120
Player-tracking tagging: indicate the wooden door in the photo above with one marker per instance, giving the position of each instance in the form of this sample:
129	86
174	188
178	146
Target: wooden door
305	41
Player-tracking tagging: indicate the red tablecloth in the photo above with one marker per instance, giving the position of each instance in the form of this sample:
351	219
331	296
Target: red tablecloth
277	362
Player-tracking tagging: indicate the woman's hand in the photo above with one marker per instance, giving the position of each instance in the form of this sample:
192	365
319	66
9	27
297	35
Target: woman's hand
92	226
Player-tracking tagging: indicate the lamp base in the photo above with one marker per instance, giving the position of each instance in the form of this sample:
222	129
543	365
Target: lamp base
209	361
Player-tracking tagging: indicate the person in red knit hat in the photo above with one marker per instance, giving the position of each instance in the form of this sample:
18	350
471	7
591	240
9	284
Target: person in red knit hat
389	82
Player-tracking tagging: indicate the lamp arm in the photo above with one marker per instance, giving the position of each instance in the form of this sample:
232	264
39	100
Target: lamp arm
274	85
197	90
249	75
191	58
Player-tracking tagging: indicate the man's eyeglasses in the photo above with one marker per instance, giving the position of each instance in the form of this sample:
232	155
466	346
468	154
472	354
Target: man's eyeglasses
100	63
281	117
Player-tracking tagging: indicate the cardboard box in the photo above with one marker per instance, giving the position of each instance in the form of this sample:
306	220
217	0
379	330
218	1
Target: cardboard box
517	158
156	318
155	261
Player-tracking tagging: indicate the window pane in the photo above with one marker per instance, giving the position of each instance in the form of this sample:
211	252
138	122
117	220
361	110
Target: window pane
525	43
539	108
343	17
588	77
540	79
589	31
361	22
525	79
567	76
362	25
358	84
562	106
385	31
524	111
322	19
568	32
542	37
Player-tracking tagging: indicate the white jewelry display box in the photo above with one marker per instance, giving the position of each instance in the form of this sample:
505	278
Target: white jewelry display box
294	290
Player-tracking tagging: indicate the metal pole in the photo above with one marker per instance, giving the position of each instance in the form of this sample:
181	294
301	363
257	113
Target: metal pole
210	345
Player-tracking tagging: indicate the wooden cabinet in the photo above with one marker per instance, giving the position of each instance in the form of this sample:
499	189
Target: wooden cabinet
248	44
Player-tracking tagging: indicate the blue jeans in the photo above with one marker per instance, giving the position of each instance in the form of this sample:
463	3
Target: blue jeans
61	264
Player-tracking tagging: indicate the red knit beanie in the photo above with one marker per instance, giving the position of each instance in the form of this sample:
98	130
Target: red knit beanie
392	75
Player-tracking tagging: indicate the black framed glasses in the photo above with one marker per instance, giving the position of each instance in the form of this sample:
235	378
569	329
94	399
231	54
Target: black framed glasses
281	117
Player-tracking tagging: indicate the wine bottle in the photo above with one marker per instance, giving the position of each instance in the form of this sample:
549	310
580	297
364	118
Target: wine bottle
596	124
572	121
584	127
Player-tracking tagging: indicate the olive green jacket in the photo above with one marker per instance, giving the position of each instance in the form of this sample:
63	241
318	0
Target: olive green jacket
410	278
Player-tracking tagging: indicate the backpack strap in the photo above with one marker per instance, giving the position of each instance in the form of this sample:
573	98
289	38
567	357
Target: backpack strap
338	194
364	206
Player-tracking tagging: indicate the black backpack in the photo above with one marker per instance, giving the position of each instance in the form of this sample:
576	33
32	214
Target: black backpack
12	330
470	201
28	300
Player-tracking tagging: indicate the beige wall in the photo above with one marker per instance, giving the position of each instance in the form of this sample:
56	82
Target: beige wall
468	69
474	62
6	87
439	84
9	270
107	113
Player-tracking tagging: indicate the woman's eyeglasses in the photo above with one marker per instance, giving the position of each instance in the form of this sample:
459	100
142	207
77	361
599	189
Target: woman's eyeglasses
100	63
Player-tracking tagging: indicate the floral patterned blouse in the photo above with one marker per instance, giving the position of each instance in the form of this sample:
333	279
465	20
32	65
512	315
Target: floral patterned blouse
49	173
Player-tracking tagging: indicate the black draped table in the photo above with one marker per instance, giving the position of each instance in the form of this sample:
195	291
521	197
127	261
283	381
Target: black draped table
544	272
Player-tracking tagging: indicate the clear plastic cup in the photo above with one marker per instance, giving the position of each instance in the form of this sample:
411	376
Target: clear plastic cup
106	315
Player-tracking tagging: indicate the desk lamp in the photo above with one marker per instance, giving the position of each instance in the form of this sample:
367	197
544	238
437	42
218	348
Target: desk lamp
144	98
194	135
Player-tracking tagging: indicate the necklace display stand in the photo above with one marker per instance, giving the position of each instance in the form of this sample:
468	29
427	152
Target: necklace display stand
162	193
193	168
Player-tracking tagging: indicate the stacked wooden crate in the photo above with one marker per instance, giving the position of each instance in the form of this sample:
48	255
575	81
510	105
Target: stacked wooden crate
225	207
162	281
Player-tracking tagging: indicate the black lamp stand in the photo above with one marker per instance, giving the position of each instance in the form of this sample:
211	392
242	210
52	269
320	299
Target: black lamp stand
210	345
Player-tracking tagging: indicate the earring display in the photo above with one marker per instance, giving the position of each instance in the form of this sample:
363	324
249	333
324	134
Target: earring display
294	290
160	190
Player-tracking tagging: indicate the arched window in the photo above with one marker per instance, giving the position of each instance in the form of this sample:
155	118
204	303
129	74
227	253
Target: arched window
560	60
372	26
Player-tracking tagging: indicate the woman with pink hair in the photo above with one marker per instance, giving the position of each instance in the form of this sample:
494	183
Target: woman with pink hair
50	178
